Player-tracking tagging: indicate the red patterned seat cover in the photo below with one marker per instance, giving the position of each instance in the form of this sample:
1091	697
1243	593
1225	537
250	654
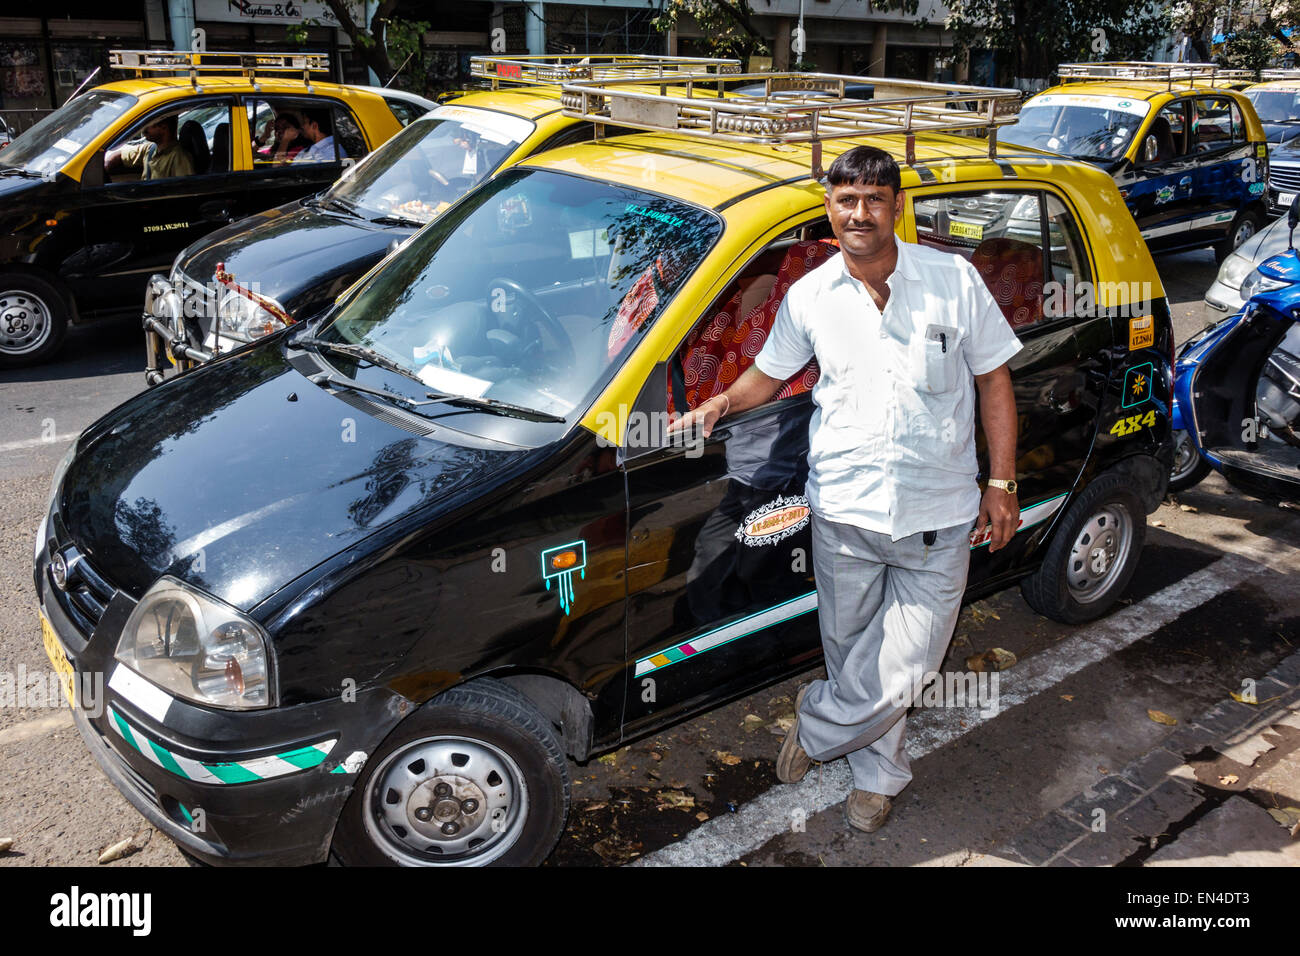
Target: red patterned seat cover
714	355
1013	271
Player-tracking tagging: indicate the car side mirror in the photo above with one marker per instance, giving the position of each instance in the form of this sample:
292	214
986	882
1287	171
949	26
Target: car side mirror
1149	149
1293	220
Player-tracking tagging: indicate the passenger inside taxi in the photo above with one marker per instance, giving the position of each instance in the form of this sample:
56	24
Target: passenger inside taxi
280	140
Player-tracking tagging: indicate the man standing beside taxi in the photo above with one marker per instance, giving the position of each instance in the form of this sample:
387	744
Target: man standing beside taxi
904	336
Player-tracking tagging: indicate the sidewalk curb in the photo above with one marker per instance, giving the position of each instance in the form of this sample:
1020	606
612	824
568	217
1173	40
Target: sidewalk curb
1144	806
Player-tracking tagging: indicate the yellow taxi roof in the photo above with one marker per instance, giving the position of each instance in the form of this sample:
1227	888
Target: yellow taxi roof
1135	89
1274	85
164	87
528	102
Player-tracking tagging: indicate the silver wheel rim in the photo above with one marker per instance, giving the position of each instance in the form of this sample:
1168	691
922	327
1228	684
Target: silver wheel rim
446	801
1186	456
1099	553
1244	232
25	322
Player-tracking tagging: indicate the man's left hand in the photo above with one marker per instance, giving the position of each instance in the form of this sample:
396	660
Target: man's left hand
1003	512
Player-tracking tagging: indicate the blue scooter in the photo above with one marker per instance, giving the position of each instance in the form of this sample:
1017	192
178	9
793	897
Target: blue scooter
1237	388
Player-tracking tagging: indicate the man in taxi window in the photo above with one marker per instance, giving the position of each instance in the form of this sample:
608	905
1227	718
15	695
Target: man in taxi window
904	336
160	156
318	129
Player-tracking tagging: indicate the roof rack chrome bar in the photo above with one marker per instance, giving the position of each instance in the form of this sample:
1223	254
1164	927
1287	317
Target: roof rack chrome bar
1150	70
219	62
794	108
1266	75
556	70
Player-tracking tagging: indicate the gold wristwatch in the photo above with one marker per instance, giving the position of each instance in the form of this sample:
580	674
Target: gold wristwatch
1006	484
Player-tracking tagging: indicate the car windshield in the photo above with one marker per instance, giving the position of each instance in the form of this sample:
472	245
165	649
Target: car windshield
1086	127
1277	106
432	163
530	291
48	145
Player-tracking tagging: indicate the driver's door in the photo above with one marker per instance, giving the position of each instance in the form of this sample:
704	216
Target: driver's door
1160	190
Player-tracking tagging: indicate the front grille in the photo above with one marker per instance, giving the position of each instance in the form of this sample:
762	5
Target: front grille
1284	178
86	593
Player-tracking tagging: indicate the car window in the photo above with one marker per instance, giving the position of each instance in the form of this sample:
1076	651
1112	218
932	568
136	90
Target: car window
347	134
404	112
1276	105
532	289
1166	138
48	145
1218	123
295	130
1001	233
1077	124
190	140
732	330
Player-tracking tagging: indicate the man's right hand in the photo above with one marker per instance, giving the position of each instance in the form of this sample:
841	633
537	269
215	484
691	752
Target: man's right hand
706	415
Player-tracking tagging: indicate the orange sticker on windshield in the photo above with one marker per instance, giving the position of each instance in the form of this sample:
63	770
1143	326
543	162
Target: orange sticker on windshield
1141	332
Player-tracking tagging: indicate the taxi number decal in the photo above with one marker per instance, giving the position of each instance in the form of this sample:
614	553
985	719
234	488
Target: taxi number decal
1133	423
969	230
1141	332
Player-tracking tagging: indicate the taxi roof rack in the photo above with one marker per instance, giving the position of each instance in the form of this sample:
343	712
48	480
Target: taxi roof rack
554	70
1279	74
220	62
781	115
1150	70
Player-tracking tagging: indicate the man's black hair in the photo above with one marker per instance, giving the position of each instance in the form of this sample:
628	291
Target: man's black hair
322	118
867	166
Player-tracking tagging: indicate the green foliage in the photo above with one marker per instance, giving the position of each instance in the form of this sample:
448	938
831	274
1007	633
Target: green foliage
1249	49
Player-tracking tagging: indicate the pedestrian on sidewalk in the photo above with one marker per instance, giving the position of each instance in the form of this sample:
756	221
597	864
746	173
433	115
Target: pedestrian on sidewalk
904	336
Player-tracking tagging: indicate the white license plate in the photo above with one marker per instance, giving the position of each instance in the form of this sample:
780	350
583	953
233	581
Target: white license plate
1285	199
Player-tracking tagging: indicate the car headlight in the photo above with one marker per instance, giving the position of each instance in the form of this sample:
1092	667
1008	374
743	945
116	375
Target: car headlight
1234	270
242	317
197	648
1257	282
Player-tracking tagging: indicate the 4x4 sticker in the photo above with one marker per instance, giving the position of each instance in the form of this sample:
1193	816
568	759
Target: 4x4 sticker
1133	423
558	565
774	521
1137	385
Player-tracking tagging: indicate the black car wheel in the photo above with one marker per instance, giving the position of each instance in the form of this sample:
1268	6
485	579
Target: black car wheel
1245	225
33	319
474	778
1092	556
1189	467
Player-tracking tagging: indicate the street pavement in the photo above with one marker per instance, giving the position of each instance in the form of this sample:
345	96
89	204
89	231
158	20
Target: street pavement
1116	742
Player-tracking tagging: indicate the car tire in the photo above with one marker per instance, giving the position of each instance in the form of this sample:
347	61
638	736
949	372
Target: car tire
1092	555
1189	466
1244	226
491	770
33	319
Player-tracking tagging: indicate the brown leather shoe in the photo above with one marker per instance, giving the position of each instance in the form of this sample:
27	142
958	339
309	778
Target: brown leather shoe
793	762
866	811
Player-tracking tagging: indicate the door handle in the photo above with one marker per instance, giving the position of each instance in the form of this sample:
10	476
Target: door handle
216	211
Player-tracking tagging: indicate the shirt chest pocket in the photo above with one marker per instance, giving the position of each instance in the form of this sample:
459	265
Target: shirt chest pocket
936	359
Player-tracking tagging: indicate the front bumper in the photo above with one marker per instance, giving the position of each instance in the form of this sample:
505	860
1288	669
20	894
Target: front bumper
253	787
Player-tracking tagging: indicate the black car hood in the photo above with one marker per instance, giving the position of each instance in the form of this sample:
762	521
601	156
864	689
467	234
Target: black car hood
1281	132
292	253
220	479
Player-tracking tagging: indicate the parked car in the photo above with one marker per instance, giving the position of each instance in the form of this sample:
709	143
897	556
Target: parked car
81	235
1237	386
1237	275
1277	103
288	264
390	568
1190	158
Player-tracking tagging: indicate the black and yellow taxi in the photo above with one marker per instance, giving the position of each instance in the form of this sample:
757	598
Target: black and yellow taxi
109	187
288	264
1187	150
359	587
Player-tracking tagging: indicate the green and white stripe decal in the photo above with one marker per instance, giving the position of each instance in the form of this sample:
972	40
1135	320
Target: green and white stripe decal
235	771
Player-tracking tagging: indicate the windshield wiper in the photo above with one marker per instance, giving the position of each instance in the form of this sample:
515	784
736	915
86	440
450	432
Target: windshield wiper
20	171
327	378
391	220
358	351
496	407
342	205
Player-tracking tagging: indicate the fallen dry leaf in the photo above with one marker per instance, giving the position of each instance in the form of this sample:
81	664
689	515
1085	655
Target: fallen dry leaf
1157	524
133	844
728	759
674	799
781	726
1228	779
1160	717
609	760
701	816
617	849
1067	697
594	806
1188	508
994	659
751	723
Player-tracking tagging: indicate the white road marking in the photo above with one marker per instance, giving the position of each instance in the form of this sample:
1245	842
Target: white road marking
35	442
727	838
37	727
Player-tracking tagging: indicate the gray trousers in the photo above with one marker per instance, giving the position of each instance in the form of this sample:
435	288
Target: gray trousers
887	610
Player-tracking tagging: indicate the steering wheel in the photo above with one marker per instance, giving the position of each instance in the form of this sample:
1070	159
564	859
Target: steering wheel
541	317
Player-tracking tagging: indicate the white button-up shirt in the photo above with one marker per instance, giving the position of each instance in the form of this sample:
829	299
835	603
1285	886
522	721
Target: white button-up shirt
892	439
